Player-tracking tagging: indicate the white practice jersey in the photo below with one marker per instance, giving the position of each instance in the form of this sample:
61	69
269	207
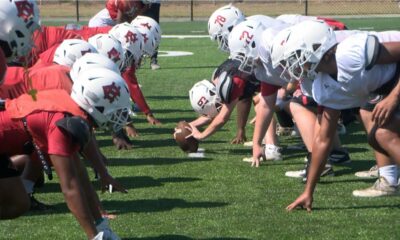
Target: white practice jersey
268	22
294	18
385	36
354	83
101	19
264	71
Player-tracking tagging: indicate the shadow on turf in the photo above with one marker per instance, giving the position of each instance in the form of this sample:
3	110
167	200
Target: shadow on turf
395	206
137	206
180	237
146	181
153	161
157	205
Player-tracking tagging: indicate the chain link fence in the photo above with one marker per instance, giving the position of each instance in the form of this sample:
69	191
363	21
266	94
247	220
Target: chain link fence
202	9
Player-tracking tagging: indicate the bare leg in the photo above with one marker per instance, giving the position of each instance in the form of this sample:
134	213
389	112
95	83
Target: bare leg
270	136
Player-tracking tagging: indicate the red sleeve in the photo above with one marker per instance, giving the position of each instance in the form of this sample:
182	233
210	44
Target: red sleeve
112	7
3	65
60	142
335	24
268	89
47	56
86	32
136	92
56	35
47	38
14	84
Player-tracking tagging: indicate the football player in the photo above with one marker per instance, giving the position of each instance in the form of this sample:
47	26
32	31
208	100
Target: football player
19	19
62	128
346	75
224	19
117	11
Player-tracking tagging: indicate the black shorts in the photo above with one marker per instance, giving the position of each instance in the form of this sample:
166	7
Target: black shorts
5	170
251	88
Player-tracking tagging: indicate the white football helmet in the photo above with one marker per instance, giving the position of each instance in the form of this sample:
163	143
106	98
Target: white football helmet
221	23
151	24
243	43
131	40
91	61
108	46
71	50
19	19
277	49
149	41
104	95
307	43
204	99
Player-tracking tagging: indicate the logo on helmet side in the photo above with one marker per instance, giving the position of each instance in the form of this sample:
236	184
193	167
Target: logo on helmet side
113	54
146	25
131	37
111	92
25	10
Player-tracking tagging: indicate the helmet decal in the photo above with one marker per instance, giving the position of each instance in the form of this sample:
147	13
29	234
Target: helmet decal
111	92
131	37
220	20
25	10
146	25
114	55
246	34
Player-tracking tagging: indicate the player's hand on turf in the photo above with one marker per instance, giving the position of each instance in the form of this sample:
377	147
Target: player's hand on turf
239	139
304	201
122	143
384	109
152	120
131	131
257	155
108	182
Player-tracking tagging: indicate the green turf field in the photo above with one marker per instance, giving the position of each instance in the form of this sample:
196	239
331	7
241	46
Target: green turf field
172	196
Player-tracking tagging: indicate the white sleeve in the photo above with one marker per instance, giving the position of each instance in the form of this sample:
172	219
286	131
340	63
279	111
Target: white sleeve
350	57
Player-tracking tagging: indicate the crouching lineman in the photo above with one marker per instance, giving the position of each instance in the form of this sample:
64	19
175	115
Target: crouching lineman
61	129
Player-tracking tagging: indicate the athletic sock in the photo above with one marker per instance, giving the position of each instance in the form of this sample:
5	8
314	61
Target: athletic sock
389	172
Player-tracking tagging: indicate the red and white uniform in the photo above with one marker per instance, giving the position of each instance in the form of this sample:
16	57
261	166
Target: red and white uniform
353	84
41	117
51	77
128	75
48	37
270	77
108	15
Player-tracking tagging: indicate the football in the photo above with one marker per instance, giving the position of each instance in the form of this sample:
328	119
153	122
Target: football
186	144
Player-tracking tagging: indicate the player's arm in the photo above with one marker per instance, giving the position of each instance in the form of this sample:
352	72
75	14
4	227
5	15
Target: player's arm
201	121
388	53
93	154
217	122
74	195
264	114
322	145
